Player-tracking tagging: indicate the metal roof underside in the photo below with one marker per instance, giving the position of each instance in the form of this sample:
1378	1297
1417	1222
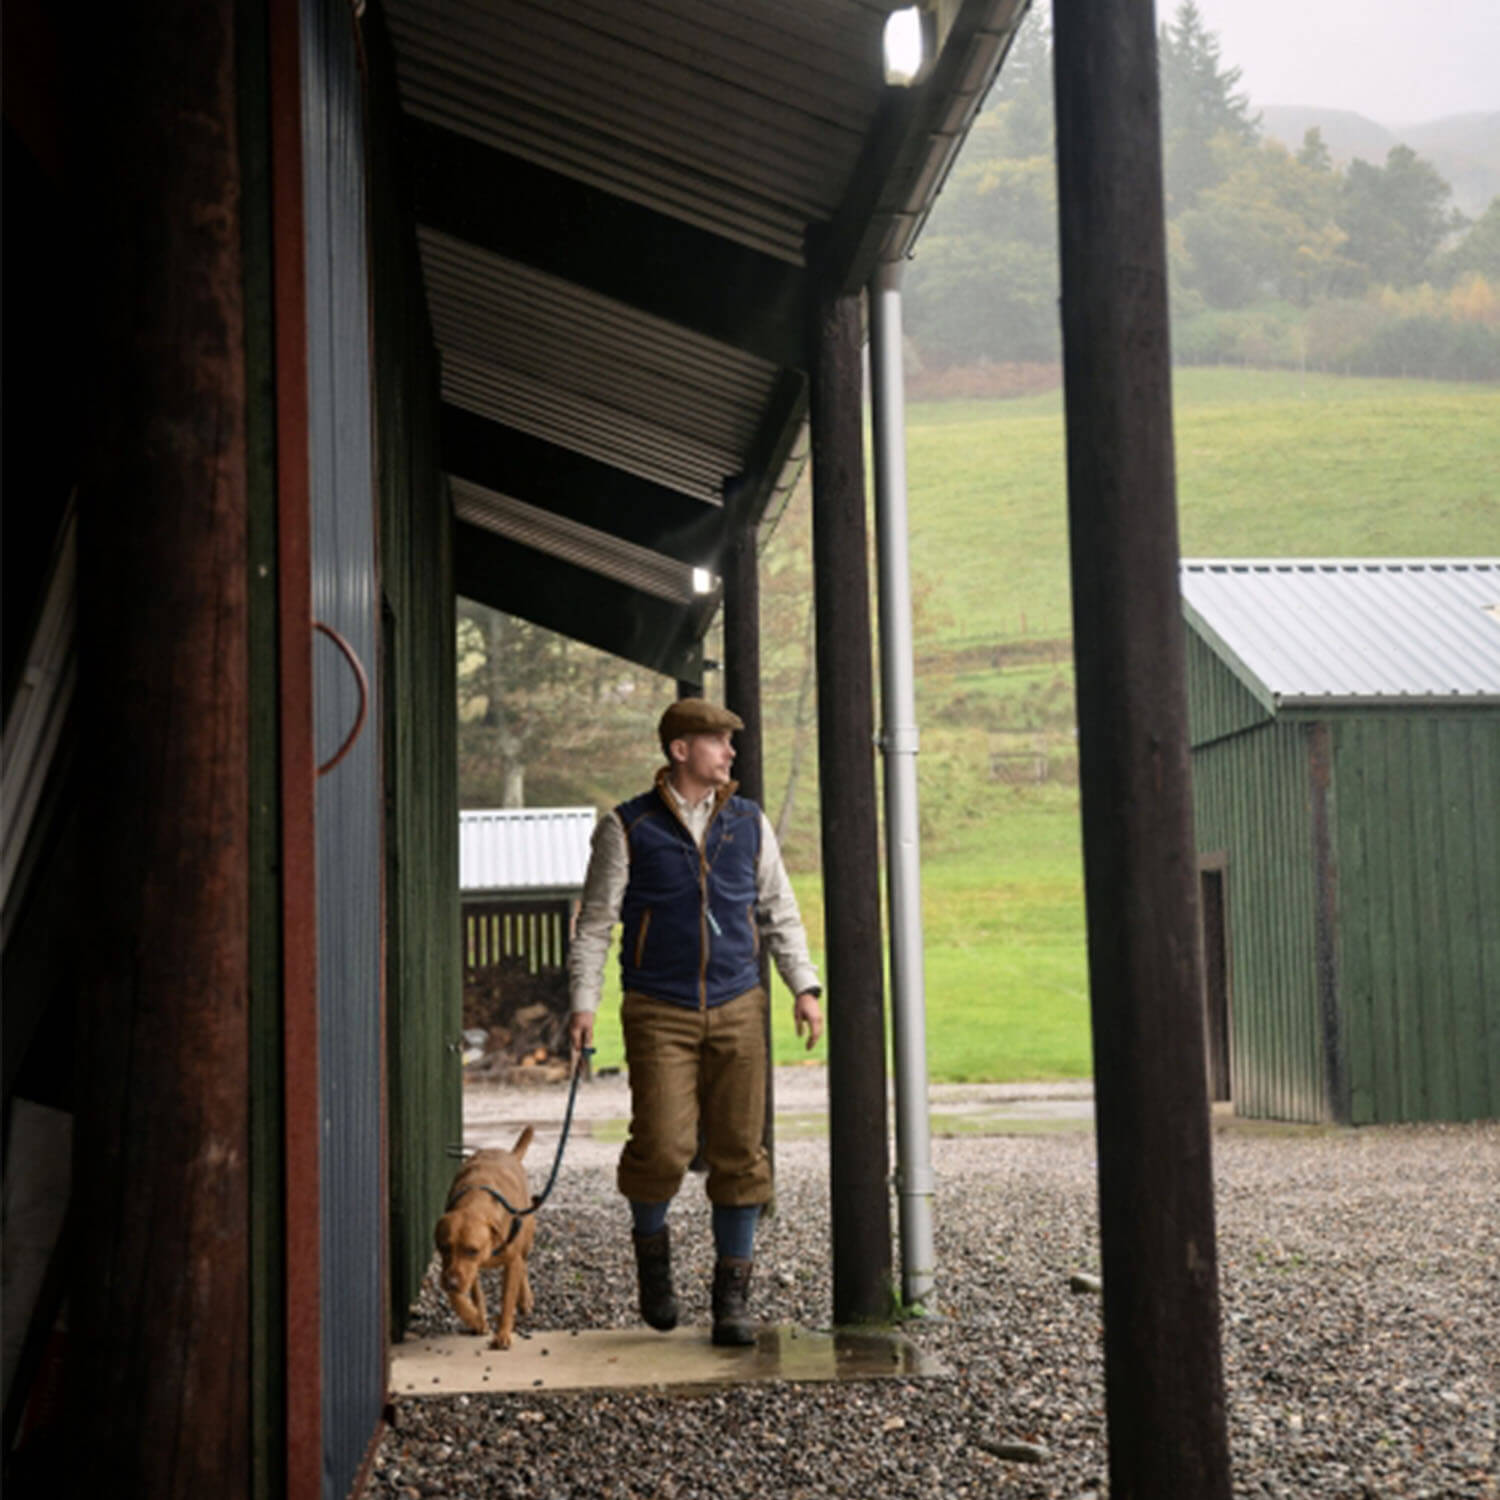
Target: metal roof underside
623	209
1328	632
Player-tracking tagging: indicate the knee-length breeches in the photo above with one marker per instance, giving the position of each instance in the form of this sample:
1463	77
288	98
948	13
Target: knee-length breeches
691	1065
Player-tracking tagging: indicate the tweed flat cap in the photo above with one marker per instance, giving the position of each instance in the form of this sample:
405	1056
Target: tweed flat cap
695	716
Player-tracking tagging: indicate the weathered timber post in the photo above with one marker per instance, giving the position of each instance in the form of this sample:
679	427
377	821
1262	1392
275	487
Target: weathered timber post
1164	1385
742	696
859	1159
742	657
159	1327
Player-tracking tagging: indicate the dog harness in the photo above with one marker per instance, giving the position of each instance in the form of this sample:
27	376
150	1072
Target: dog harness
516	1214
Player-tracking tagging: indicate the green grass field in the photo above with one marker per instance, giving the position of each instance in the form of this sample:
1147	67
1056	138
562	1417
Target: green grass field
1269	464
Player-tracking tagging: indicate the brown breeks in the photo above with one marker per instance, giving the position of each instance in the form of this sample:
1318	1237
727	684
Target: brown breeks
686	1064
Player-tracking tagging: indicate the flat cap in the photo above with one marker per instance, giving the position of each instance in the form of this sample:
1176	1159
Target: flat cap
695	716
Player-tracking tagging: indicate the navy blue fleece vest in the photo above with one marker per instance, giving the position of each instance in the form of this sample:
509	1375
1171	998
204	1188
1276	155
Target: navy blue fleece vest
689	917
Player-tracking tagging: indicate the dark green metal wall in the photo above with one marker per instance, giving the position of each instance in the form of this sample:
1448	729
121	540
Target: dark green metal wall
1251	802
424	995
1418	842
1219	703
1401	1020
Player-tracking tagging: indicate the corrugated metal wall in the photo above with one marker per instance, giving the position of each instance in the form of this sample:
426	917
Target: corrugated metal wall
1418	841
350	802
1219	703
424	994
1251	801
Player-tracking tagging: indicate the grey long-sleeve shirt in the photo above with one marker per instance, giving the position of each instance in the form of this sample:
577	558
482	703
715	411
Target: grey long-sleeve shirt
776	910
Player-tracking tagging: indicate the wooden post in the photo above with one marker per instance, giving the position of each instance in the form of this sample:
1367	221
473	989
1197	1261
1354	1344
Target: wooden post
742	658
742	696
159	1322
859	1159
1164	1385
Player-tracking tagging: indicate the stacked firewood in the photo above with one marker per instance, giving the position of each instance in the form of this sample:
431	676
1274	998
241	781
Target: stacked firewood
516	1024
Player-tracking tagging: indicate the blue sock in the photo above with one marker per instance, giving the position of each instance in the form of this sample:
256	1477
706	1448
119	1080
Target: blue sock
734	1230
649	1217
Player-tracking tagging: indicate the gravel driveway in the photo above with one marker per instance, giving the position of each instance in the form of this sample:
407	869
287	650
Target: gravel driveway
1360	1277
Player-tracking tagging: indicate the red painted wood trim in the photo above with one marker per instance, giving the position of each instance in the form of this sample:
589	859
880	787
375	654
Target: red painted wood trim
304	1353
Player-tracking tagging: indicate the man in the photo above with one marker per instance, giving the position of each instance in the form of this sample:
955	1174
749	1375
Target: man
695	875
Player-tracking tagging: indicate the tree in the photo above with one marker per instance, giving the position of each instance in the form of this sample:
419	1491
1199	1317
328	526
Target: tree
1478	252
1201	109
1267	230
1022	96
984	282
1314	153
1396	217
535	709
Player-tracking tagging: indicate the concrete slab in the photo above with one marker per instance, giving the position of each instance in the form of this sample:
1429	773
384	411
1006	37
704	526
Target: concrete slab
627	1358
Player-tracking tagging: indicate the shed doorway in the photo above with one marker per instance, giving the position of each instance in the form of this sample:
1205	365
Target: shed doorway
1215	919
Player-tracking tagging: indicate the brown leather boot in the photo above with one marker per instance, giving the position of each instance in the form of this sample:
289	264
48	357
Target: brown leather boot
653	1270
732	1322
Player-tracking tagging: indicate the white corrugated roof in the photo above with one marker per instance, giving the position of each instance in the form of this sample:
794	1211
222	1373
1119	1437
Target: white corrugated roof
524	849
1321	630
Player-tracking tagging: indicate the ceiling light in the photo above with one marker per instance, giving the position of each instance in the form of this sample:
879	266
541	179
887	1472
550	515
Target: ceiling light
905	48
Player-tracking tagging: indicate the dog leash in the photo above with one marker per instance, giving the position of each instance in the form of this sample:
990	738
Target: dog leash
519	1213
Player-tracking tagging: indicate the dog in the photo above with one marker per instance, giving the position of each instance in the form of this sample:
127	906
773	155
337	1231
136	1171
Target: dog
478	1233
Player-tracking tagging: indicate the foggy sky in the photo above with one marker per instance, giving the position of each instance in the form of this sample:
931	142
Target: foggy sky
1396	63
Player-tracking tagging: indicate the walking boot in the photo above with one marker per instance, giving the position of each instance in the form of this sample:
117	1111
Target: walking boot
732	1322
653	1269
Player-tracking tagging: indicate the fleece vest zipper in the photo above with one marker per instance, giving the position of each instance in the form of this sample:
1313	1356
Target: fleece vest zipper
689	911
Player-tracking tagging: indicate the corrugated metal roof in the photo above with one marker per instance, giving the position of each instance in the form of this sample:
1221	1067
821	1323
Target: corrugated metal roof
524	849
599	551
1317	631
743	119
615	199
534	352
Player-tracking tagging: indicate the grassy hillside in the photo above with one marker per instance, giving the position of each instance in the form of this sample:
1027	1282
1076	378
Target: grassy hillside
1269	464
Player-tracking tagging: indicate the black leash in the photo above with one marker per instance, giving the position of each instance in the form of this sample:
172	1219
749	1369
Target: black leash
520	1213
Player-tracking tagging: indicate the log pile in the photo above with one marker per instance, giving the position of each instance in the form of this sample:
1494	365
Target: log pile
524	1018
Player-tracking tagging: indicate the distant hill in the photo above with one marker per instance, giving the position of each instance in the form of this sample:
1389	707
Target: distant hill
1464	148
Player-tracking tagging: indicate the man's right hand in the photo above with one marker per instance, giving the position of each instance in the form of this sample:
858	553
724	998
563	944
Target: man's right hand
580	1032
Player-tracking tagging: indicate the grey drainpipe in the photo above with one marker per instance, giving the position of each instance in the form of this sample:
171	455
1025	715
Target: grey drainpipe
898	743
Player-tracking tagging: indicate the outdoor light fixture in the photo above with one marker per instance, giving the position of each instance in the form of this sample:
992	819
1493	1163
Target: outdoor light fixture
905	45
703	581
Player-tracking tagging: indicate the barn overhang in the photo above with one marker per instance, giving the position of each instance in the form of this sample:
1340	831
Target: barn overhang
626	216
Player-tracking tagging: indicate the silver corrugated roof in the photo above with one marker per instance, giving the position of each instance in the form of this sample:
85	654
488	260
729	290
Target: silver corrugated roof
640	567
743	119
614	201
1317	631
524	849
541	355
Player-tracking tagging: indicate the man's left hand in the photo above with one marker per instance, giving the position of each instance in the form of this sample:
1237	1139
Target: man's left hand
808	1015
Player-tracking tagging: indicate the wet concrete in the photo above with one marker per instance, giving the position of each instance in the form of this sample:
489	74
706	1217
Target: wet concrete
682	1360
685	1360
494	1116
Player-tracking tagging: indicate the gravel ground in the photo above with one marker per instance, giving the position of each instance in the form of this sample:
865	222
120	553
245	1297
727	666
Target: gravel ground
1360	1276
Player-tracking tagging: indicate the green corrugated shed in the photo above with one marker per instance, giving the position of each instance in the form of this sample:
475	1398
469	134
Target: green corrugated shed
424	975
1345	724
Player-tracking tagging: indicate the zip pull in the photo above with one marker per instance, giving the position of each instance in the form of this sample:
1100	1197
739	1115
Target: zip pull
713	922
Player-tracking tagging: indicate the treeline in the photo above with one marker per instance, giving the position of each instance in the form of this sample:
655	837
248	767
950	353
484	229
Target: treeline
1276	257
